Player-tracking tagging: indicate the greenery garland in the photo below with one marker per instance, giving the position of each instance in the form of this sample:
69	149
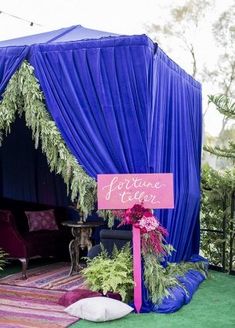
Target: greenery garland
8	106
23	95
157	280
160	281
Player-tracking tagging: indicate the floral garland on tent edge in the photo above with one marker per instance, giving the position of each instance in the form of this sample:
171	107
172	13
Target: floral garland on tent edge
23	95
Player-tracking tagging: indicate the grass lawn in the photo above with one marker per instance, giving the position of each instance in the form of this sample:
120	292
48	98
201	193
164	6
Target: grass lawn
212	306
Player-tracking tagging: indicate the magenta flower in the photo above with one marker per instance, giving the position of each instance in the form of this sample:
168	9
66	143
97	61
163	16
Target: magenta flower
151	230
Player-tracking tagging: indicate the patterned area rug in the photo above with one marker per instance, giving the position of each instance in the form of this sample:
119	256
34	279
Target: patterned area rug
52	276
26	307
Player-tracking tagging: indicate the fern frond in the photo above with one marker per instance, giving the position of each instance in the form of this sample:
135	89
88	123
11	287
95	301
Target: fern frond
111	273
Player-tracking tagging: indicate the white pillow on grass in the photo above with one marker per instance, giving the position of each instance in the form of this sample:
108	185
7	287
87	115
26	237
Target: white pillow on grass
99	309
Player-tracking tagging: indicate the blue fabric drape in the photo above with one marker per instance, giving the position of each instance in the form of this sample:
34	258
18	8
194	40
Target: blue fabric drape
176	128
98	94
123	106
10	60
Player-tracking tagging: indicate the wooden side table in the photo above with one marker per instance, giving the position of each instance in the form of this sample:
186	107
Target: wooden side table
81	232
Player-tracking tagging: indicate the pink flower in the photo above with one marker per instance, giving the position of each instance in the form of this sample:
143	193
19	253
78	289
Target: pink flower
148	223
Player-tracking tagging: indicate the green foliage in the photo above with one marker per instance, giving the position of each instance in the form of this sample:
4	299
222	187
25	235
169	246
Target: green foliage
156	279
111	273
217	189
8	106
221	181
179	269
2	259
23	95
160	280
227	152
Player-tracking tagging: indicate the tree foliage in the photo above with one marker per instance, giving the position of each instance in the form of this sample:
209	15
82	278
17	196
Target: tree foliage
181	27
217	191
225	106
223	74
224	34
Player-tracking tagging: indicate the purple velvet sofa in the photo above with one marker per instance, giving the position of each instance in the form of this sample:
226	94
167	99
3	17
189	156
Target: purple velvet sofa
19	243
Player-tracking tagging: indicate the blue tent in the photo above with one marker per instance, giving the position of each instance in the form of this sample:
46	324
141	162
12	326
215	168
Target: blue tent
122	106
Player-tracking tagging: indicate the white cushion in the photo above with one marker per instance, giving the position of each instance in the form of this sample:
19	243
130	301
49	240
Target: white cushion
99	309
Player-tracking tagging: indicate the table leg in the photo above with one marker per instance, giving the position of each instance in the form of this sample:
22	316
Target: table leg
86	238
82	239
74	250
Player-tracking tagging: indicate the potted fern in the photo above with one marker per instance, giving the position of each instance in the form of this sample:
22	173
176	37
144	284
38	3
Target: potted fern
111	274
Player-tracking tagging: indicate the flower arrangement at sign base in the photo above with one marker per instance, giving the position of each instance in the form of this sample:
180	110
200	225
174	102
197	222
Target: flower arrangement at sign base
152	232
154	249
115	273
158	279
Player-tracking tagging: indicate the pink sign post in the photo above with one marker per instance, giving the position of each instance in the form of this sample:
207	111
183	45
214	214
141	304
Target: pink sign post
137	268
122	191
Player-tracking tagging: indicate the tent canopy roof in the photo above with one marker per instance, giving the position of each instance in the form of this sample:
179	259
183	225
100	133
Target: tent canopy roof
72	33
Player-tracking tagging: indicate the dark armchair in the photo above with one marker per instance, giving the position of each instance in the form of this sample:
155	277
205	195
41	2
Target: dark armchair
109	238
19	243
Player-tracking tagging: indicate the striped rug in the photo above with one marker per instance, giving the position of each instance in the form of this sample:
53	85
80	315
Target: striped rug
27	307
52	276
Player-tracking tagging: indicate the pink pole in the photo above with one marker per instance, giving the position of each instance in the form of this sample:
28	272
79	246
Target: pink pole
137	268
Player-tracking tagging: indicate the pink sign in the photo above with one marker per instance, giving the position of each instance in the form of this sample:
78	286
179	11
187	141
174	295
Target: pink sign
120	191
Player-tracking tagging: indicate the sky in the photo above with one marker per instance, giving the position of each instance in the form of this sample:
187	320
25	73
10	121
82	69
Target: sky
119	16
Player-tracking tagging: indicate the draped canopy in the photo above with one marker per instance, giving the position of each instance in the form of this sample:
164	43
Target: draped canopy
122	106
